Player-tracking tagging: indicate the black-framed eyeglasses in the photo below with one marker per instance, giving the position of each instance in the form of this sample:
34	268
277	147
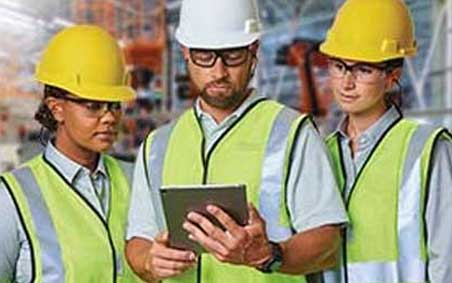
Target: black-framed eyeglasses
232	57
362	72
95	109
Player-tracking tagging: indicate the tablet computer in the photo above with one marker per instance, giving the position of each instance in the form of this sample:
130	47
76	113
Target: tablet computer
178	201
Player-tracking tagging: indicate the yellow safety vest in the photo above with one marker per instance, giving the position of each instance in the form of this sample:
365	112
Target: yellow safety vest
254	151
69	240
385	242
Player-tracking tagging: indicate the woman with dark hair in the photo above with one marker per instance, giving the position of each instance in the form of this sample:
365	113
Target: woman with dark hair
395	173
64	211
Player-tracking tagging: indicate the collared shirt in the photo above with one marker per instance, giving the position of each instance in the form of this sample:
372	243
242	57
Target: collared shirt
212	130
93	186
366	142
312	195
15	261
439	205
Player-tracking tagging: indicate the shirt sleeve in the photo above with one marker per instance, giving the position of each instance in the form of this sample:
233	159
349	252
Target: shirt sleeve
9	236
143	211
127	168
439	214
313	197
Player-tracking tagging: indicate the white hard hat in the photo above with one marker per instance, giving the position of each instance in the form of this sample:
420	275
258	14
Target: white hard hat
218	24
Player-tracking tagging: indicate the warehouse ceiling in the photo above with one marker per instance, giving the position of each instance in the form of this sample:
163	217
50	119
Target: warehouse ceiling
26	26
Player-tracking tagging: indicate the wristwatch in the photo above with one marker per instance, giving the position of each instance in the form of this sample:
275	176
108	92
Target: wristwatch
275	261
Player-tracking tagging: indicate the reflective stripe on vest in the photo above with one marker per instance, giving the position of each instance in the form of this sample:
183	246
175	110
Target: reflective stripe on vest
61	226
273	175
274	151
410	266
52	263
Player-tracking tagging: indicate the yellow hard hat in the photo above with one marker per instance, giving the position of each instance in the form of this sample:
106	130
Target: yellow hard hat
87	62
371	31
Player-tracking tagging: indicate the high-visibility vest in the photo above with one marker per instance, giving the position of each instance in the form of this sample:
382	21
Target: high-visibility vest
386	241
69	240
256	151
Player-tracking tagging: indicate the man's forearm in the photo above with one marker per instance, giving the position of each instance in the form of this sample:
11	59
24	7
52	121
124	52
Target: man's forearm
136	253
311	251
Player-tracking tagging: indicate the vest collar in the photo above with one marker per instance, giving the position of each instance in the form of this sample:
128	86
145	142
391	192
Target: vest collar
374	132
201	115
68	168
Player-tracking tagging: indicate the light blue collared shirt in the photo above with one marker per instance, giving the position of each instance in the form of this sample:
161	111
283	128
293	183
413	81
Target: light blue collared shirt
15	260
212	130
439	205
366	142
312	195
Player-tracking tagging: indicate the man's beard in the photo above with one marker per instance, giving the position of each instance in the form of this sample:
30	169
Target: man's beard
224	101
221	101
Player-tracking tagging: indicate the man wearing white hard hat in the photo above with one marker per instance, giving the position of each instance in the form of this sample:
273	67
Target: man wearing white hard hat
234	135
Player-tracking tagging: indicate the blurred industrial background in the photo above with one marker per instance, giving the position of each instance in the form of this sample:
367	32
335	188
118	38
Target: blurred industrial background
290	68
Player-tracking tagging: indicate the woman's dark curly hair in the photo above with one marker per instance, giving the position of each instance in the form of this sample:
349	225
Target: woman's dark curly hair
44	116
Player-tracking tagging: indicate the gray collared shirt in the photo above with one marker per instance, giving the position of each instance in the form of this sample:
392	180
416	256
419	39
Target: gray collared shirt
313	197
15	261
439	206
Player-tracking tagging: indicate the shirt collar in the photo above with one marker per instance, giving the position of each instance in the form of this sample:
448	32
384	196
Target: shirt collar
376	130
69	168
237	113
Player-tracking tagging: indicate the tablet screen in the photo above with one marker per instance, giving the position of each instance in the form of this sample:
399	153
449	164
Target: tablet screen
178	201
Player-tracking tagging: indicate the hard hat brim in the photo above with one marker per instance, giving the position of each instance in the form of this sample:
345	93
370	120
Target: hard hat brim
97	93
212	41
363	55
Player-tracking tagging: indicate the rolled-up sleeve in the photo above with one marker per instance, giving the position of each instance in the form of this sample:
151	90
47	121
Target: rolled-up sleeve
313	197
142	218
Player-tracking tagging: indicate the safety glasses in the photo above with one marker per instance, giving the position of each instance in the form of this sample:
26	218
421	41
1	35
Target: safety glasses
232	57
361	72
95	109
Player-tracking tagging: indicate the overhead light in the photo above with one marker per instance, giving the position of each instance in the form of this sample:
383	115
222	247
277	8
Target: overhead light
60	22
18	16
10	4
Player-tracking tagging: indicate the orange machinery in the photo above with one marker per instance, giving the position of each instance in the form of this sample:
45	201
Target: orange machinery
138	24
303	54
